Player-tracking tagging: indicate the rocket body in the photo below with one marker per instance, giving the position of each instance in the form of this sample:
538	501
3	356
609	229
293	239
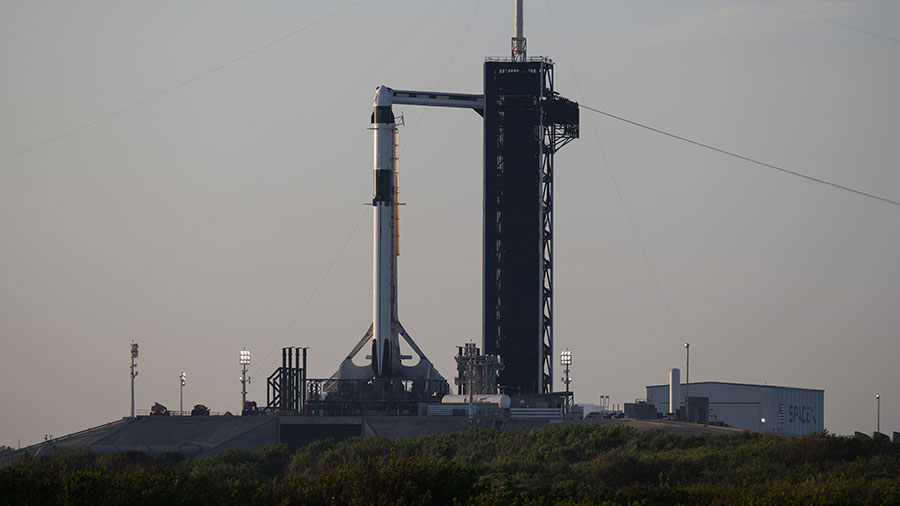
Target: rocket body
385	353
386	332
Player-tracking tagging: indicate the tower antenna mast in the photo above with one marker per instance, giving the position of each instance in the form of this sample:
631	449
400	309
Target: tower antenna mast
518	42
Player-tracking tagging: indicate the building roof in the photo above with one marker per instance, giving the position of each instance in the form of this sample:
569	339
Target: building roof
738	384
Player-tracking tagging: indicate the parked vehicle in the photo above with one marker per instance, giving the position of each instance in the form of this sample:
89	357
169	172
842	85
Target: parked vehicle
250	408
159	410
200	410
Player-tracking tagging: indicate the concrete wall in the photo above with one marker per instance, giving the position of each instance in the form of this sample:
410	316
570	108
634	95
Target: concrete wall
640	411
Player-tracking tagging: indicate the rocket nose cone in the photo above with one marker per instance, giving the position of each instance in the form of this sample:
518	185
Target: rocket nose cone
384	96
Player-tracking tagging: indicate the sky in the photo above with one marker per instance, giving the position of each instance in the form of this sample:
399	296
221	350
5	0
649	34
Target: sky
192	176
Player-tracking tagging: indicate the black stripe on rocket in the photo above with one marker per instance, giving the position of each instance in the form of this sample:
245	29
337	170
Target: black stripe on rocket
384	186
383	114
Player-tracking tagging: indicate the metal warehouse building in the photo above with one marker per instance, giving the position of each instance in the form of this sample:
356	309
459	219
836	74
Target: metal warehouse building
766	408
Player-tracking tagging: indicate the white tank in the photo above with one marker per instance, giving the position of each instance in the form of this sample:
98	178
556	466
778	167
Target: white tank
501	400
674	390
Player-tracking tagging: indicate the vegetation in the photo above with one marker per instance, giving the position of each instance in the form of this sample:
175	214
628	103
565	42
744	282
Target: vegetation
579	464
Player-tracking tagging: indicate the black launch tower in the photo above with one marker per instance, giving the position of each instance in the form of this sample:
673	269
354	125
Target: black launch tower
525	123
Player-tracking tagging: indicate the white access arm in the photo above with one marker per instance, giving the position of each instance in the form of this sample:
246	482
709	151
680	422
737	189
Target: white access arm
439	99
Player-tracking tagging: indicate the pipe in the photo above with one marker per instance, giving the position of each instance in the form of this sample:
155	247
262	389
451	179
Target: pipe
520	20
518	41
501	400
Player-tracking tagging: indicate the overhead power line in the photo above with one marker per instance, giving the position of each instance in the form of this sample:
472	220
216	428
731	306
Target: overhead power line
177	86
745	158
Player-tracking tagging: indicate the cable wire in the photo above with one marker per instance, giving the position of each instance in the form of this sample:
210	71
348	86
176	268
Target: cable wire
832	21
308	299
612	176
347	241
443	74
374	68
228	204
349	237
177	86
745	158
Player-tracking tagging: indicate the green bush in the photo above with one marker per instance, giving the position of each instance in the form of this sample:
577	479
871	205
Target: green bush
571	465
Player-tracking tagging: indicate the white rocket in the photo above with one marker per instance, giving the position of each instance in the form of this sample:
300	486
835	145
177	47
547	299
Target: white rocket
386	331
385	323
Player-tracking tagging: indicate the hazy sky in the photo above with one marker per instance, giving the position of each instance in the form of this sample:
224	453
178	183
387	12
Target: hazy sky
204	219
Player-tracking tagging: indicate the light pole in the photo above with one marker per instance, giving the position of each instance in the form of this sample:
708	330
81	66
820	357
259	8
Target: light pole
245	362
878	419
687	383
565	358
183	379
134	372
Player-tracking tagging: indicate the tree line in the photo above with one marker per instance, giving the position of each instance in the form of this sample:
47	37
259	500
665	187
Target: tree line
571	465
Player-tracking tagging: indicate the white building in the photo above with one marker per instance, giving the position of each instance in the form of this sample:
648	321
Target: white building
766	408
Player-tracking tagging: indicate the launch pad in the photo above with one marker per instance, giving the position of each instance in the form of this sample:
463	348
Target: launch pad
386	375
525	123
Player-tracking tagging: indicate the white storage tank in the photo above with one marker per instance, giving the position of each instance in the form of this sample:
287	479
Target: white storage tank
765	408
500	400
675	398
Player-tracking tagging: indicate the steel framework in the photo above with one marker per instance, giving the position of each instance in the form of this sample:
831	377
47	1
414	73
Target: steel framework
525	123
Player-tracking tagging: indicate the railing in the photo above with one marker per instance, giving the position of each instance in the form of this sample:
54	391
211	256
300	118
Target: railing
450	410
357	397
373	389
536	412
15	453
532	59
175	412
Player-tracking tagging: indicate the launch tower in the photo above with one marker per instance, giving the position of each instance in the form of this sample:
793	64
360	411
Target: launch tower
525	123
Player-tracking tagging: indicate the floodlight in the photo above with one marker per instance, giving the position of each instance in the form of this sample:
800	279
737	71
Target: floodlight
763	420
183	378
565	358
244	379
878	401
134	373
